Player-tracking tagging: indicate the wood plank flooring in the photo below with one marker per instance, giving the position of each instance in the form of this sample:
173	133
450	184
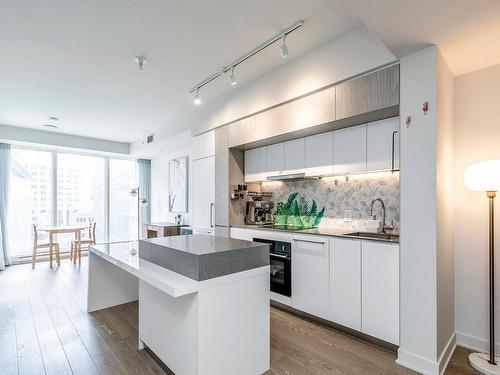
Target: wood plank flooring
44	329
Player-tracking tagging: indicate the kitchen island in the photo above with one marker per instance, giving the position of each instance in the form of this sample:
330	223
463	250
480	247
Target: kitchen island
203	300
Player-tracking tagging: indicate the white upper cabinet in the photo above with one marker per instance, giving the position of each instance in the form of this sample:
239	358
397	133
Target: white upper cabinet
255	164
275	160
204	193
349	150
204	145
295	156
319	154
380	285
345	282
382	146
310	275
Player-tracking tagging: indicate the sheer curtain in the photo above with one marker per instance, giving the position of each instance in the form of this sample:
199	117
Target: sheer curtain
4	194
144	175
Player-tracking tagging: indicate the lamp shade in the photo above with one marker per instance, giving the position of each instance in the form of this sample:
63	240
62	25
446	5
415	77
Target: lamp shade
483	176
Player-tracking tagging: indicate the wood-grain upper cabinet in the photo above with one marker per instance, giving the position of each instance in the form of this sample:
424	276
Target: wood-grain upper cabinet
367	93
319	154
295	156
312	110
345	282
242	132
380	286
255	164
349	150
382	145
273	122
275	159
310	275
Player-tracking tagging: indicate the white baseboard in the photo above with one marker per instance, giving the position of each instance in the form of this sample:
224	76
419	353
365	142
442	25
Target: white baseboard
417	363
445	356
475	343
425	366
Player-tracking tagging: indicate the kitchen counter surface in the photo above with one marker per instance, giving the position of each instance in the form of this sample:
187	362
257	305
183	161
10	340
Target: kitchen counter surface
202	257
332	232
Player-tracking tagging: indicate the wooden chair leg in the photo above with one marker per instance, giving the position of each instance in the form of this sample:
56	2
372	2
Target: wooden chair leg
58	255
50	256
33	258
71	251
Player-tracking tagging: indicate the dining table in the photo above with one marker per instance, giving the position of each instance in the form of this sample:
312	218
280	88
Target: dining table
60	229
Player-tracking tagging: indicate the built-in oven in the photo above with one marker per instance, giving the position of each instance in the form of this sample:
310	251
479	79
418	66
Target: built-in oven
280	261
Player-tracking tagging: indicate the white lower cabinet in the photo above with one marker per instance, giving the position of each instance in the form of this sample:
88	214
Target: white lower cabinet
380	286
345	282
310	275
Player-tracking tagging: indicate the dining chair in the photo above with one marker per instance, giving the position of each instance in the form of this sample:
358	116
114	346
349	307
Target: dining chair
37	245
76	251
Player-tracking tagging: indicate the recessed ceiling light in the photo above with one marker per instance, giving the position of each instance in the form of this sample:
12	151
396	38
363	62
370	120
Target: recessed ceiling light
50	126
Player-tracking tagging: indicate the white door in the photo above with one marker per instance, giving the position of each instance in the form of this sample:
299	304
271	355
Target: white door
345	282
255	164
380	286
382	145
295	156
349	150
310	275
319	154
275	159
203	193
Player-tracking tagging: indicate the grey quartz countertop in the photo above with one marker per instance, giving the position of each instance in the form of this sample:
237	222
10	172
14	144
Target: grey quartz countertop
332	232
202	257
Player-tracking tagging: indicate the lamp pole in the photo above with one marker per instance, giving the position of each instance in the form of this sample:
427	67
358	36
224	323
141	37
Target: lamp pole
491	199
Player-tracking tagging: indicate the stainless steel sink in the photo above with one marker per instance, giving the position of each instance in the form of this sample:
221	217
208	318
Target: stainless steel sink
377	236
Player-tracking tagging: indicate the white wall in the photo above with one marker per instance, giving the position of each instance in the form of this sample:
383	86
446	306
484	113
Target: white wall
418	342
477	137
28	136
180	145
445	218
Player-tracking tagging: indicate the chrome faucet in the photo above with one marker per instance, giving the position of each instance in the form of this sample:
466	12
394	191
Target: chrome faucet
383	226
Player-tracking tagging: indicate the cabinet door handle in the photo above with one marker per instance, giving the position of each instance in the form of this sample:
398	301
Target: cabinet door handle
309	241
393	150
211	212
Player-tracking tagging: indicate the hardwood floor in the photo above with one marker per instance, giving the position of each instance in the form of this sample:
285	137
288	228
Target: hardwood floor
44	329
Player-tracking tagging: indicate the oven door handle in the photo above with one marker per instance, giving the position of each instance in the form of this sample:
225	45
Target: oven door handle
309	241
280	256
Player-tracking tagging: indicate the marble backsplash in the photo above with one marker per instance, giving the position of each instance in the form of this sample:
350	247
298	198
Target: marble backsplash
347	203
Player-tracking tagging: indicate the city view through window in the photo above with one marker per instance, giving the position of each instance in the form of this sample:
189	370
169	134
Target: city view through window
54	188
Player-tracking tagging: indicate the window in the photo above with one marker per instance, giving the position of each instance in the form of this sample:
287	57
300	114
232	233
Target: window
82	175
59	188
28	168
122	206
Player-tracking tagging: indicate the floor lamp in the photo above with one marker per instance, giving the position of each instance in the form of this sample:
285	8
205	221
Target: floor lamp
485	176
136	192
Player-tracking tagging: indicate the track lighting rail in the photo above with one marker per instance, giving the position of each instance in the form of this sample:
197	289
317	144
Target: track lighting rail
230	67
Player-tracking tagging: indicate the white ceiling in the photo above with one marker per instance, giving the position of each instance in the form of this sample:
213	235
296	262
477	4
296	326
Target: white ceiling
466	31
74	59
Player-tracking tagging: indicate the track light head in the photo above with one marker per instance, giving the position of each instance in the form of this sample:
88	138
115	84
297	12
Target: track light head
284	48
232	78
197	99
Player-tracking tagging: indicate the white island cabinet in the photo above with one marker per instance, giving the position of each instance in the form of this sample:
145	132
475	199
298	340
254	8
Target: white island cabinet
310	275
203	300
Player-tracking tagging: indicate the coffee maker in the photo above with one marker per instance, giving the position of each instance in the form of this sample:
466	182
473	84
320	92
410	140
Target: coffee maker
259	212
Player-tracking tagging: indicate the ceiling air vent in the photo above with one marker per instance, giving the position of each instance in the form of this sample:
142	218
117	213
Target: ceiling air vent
150	138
